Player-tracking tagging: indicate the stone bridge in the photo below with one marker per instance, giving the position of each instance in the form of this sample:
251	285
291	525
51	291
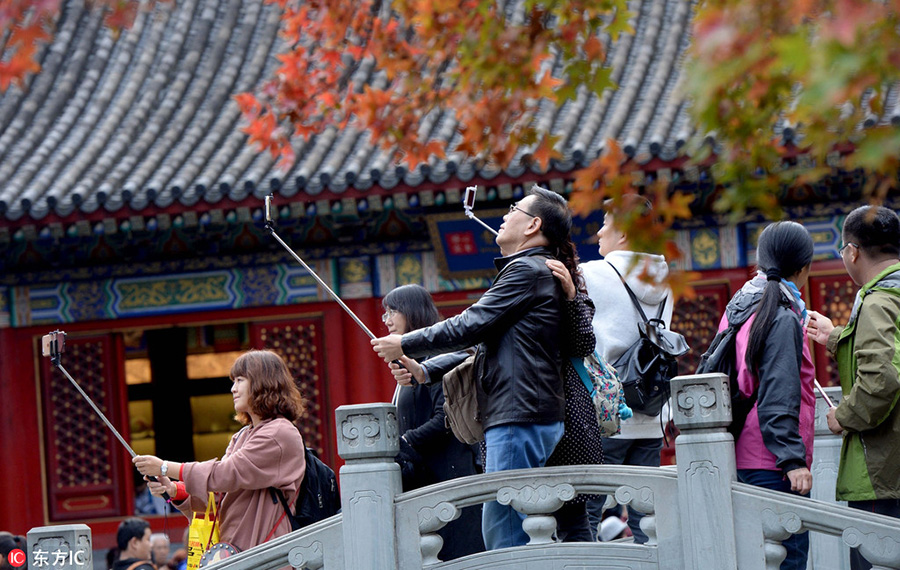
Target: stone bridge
699	516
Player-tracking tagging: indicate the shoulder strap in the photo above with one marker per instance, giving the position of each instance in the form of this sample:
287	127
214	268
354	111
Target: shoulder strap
578	365
278	496
276	493
634	299
140	563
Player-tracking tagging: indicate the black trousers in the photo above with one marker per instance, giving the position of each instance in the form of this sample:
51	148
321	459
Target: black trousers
889	507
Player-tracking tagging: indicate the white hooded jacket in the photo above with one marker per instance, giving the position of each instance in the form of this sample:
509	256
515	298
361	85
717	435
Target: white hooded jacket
615	320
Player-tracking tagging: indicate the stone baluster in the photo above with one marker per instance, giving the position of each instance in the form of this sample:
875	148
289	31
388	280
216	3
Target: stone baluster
538	503
640	499
704	454
777	528
882	552
63	547
431	520
826	551
368	441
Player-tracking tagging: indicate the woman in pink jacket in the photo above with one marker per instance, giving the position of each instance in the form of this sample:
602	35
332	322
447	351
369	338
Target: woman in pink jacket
774	449
267	452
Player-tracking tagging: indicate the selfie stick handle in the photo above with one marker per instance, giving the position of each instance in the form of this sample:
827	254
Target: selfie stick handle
473	217
824	395
99	413
319	279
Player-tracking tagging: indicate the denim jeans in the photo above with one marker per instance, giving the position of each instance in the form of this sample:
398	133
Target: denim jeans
797	545
888	507
514	446
619	451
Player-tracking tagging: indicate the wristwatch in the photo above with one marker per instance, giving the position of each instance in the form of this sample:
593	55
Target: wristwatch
164	468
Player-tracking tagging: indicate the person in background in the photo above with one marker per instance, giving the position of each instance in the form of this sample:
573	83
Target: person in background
159	549
516	326
775	447
581	441
867	351
179	559
615	329
267	452
429	452
133	542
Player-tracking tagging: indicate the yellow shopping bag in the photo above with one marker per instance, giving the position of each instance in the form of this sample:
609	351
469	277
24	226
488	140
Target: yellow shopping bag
203	533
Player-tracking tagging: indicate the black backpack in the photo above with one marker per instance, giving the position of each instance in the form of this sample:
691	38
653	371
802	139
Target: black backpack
647	366
319	496
722	357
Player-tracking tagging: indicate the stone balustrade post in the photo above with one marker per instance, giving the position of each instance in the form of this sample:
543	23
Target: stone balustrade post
63	547
704	453
826	551
368	441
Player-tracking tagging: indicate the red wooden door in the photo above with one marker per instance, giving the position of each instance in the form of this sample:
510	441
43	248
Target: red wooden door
88	470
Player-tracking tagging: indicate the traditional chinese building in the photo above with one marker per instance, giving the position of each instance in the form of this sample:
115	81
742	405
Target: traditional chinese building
131	217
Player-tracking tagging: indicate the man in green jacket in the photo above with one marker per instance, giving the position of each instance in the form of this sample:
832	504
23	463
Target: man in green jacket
867	351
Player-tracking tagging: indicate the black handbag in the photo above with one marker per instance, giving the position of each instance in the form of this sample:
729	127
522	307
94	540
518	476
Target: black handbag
648	365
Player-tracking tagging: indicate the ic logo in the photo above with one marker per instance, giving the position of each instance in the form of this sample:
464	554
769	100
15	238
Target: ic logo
16	558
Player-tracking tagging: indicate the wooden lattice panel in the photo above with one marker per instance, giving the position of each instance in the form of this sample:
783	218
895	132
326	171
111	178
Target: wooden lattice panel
299	342
698	320
833	296
85	476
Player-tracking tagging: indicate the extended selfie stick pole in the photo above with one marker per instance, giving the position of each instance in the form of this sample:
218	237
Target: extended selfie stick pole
469	203
824	395
55	358
270	225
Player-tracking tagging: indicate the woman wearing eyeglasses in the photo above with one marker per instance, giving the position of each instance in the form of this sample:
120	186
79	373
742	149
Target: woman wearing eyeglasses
429	452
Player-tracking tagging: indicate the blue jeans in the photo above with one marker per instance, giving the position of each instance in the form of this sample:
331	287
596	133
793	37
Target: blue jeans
619	451
888	507
798	544
514	446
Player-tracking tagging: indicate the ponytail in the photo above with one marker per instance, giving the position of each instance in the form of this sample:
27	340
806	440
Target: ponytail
783	250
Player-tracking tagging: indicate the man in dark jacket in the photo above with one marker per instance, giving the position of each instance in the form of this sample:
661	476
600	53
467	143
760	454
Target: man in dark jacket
133	540
516	326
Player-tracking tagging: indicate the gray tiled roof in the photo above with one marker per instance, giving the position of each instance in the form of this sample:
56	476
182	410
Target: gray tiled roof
148	120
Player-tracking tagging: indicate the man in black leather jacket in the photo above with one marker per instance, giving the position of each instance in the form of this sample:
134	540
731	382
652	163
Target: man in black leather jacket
516	326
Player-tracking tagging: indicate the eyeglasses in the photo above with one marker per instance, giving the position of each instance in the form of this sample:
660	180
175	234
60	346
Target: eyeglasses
388	315
516	207
843	247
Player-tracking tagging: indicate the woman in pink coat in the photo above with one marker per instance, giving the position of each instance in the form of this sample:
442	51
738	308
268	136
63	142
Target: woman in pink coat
267	452
774	448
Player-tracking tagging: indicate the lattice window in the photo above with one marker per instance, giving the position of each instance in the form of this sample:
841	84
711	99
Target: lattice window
698	320
832	295
85	474
299	342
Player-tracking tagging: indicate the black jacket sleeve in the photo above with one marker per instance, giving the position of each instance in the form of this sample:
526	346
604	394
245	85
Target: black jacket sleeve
778	405
493	314
437	366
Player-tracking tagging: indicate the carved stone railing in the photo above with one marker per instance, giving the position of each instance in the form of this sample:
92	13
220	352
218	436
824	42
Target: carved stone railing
698	516
537	493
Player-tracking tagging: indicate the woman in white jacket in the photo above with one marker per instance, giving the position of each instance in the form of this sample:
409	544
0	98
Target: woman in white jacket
615	328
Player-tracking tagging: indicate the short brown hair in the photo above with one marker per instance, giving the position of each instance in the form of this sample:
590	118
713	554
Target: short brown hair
273	392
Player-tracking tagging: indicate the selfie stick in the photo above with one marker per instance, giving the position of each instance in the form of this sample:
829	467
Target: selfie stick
824	395
270	225
55	358
469	203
